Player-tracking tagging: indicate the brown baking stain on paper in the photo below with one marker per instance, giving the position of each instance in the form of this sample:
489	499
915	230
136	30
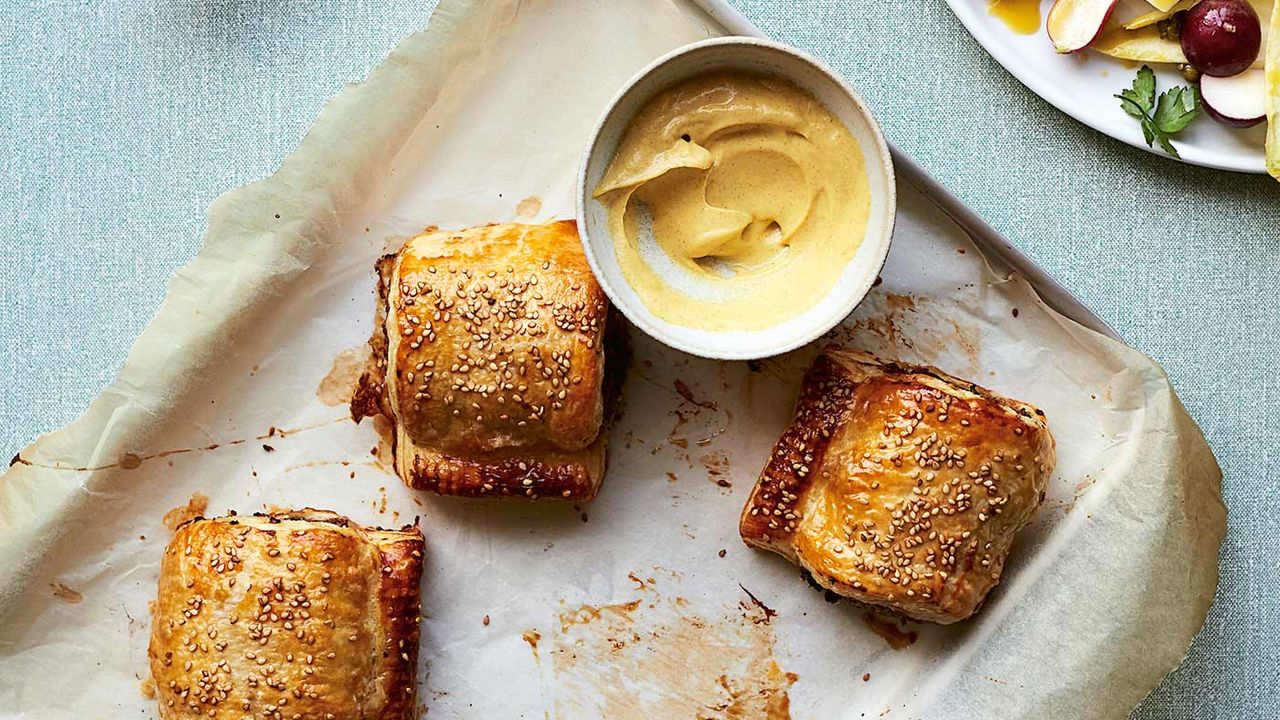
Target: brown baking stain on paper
641	583
529	207
897	302
886	627
532	637
66	594
584	614
338	387
656	657
683	390
882	316
697	420
132	460
148	688
716	432
766	614
384	455
1063	505
195	507
913	328
310	464
1082	487
717	467
967	340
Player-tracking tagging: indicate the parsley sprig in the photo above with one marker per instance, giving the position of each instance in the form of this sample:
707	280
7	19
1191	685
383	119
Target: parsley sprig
1173	111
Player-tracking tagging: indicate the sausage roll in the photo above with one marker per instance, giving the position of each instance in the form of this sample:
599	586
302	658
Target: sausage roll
302	614
489	360
900	486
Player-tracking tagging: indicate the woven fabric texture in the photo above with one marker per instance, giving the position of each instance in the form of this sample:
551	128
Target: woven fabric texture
120	121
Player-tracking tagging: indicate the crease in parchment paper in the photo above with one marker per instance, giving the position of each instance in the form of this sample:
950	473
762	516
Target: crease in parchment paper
487	107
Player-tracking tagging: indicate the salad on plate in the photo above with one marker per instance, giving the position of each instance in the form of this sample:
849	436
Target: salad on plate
1228	51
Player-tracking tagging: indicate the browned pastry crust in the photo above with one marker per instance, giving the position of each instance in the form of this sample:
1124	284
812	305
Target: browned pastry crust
370	397
301	614
490	362
900	486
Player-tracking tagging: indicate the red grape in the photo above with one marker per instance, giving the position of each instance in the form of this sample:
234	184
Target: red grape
1221	37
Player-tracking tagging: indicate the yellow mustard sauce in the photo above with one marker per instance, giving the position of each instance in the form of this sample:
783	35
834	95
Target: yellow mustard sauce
1020	16
756	196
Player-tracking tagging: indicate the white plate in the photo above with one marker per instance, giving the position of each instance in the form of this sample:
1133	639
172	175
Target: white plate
1082	86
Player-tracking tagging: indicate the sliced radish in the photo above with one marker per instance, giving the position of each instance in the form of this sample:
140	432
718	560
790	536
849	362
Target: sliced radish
1239	100
1073	24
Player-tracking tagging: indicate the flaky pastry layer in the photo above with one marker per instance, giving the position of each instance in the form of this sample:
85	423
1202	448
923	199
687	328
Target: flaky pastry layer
299	614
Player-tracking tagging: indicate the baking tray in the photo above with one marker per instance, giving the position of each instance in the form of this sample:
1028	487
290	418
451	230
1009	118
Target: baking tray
230	392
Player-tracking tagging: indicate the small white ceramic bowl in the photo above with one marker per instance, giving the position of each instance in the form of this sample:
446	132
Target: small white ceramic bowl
760	57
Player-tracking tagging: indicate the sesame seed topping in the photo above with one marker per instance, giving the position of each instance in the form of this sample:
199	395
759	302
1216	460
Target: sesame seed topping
935	484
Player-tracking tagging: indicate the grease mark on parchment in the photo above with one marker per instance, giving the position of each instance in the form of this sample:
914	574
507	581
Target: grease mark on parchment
309	464
195	507
148	688
656	656
767	613
911	328
384	454
682	389
887	627
531	637
717	467
641	583
1082	487
339	385
529	207
697	423
1065	506
133	460
879	323
66	593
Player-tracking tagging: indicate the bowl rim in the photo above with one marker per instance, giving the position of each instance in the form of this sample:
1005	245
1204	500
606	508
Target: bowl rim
884	238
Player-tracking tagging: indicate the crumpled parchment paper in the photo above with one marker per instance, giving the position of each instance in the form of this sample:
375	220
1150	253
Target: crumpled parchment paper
643	603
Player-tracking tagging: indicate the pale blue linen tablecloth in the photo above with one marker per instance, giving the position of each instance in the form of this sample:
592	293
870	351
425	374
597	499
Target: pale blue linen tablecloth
120	120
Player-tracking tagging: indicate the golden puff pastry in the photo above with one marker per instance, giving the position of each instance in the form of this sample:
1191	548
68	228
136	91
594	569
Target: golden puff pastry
490	361
900	486
300	614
